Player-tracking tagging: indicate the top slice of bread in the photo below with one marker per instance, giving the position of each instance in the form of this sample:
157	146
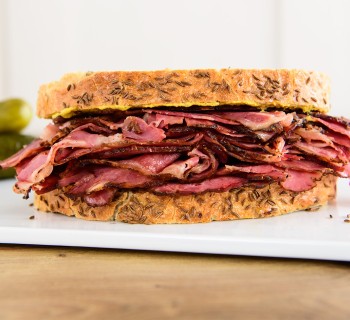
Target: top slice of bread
122	90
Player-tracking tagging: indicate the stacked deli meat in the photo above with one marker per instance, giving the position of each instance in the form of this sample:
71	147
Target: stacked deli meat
257	144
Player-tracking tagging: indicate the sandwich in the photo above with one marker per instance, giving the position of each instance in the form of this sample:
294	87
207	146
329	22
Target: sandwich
184	146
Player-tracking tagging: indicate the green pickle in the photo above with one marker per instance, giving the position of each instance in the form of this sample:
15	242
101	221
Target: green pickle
10	143
15	115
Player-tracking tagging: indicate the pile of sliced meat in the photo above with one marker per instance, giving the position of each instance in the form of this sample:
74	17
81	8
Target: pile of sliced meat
165	151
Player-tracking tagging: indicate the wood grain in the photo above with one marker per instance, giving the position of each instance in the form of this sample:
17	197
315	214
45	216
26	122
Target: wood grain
71	283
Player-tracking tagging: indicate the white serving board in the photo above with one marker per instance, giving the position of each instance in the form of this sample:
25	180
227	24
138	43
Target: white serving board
311	235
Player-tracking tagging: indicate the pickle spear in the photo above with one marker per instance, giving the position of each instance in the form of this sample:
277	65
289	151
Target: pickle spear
10	143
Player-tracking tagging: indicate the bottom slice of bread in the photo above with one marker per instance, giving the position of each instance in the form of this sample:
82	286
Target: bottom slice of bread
149	208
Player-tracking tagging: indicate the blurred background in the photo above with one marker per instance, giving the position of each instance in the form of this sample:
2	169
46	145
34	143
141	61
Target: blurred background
41	40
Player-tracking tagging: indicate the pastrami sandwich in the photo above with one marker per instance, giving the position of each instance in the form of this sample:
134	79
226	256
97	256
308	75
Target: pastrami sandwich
184	146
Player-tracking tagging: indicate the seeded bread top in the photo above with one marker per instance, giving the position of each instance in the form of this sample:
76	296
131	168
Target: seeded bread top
122	90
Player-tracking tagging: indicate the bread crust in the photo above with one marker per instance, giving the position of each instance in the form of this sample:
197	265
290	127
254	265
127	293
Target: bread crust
149	208
293	89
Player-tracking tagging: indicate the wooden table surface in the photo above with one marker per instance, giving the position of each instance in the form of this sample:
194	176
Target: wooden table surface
77	283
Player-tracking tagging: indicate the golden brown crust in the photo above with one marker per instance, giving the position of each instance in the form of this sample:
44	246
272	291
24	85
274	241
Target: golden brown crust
150	208
121	89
